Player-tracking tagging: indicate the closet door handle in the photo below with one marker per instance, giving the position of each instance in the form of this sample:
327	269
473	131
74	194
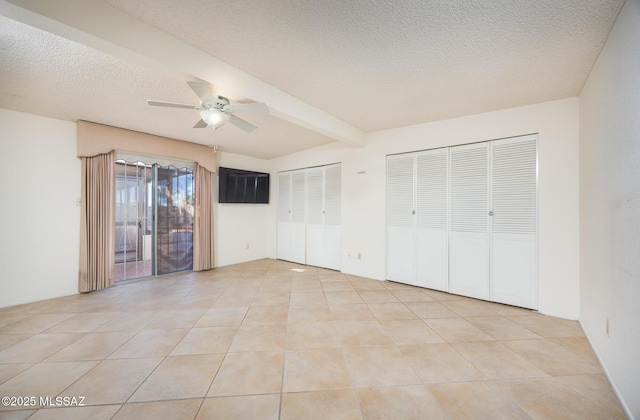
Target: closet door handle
491	213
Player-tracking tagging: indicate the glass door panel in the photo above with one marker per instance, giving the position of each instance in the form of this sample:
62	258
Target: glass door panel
174	221
132	230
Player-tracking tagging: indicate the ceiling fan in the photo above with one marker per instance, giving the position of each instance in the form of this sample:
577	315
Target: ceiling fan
215	110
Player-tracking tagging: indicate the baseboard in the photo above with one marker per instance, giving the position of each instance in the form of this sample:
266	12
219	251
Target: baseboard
616	391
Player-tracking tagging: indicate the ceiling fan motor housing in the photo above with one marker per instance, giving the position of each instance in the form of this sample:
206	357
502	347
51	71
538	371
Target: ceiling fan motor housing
220	103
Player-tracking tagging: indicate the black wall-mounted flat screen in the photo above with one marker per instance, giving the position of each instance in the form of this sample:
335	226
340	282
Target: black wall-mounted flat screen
240	186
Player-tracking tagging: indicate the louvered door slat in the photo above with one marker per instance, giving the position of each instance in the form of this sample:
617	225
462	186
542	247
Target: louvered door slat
431	189
400	191
315	196
469	188
284	196
333	196
297	197
514	187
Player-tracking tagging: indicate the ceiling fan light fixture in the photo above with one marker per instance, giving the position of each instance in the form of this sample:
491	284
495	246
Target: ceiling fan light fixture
214	117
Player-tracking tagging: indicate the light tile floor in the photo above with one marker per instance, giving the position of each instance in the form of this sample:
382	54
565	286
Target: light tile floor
271	339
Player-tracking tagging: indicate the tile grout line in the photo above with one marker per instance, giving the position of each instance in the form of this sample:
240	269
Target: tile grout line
353	383
204	398
284	353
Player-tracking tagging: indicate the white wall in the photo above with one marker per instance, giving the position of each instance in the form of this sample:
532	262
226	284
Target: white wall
236	225
610	206
40	218
363	226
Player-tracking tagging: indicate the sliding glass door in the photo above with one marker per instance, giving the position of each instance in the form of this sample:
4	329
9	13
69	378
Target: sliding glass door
154	220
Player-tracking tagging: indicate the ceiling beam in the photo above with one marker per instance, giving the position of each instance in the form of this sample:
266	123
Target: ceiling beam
106	29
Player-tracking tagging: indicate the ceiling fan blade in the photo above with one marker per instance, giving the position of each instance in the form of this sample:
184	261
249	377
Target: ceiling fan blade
201	124
239	122
203	90
172	104
254	108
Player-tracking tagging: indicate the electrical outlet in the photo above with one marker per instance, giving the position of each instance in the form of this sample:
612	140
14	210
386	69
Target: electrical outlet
359	255
248	245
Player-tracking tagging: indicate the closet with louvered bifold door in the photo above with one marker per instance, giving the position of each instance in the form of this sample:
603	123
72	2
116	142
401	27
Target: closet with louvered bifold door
309	216
463	219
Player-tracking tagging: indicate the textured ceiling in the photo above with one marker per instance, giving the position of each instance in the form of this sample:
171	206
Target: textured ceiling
373	65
